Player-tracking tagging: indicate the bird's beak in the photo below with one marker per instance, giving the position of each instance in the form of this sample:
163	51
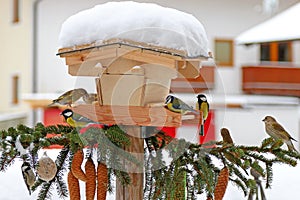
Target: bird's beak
263	120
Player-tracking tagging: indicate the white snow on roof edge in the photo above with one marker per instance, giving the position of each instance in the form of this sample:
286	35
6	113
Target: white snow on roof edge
141	22
282	27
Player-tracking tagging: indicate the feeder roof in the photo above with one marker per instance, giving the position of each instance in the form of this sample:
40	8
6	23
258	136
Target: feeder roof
140	22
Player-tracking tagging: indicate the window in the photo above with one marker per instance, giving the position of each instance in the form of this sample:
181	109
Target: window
276	52
224	52
265	52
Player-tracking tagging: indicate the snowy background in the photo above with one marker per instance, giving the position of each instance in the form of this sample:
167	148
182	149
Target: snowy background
245	123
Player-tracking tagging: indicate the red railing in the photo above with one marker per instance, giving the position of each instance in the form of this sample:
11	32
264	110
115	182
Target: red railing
205	81
272	80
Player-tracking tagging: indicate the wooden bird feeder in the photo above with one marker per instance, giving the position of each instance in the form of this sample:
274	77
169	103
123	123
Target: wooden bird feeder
133	75
132	79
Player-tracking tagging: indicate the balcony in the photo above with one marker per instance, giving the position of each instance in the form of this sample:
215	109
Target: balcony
205	81
271	80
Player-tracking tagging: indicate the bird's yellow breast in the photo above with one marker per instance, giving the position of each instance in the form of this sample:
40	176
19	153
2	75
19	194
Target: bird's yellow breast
204	109
71	122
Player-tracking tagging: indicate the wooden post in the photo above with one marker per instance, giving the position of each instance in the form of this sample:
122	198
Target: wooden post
135	189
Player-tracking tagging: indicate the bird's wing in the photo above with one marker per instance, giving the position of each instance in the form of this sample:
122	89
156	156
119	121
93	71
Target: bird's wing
81	118
197	105
284	134
184	106
176	104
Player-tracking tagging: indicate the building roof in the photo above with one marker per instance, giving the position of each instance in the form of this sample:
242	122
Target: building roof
282	27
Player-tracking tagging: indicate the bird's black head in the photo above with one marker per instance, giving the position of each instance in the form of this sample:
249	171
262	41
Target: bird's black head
202	97
25	166
169	99
67	113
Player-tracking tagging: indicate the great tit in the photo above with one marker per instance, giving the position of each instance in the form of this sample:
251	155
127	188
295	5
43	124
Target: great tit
176	105
203	106
76	120
28	175
69	97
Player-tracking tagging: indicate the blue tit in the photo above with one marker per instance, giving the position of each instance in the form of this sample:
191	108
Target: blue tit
28	175
69	97
76	120
176	105
203	106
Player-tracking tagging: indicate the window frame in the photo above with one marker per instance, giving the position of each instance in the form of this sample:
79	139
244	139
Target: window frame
16	11
274	51
230	51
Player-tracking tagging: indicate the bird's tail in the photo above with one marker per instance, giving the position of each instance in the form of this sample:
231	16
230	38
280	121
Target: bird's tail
293	139
201	132
196	112
52	104
291	146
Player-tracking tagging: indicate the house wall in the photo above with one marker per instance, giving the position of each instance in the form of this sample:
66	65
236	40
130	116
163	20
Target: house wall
221	19
15	53
296	50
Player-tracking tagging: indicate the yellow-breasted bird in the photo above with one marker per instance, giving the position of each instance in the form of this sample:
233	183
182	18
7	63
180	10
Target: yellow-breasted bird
176	105
203	106
276	131
76	120
69	97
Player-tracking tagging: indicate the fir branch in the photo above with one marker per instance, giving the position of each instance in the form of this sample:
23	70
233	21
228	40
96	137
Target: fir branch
61	187
62	164
45	191
269	175
110	180
46	187
241	185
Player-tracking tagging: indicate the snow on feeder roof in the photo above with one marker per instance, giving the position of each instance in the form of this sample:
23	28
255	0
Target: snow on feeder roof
133	50
144	23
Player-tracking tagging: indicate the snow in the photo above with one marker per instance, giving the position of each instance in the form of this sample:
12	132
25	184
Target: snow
281	27
19	146
140	22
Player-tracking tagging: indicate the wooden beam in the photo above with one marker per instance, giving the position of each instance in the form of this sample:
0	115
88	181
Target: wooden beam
148	57
130	115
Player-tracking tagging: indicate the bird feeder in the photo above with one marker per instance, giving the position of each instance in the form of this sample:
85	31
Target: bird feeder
138	49
132	80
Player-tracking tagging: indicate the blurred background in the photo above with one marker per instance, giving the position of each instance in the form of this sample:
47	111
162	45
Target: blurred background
255	71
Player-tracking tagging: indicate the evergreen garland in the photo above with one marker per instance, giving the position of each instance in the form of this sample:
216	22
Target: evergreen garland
193	169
